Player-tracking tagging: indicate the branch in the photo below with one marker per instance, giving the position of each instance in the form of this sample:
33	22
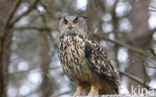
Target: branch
26	12
33	68
99	37
60	94
11	13
47	10
43	17
151	67
153	52
138	80
31	28
152	8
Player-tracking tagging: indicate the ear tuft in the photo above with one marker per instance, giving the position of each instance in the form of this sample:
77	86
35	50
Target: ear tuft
59	18
85	17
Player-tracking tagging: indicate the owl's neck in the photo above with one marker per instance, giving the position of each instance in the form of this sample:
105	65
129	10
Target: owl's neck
68	34
65	36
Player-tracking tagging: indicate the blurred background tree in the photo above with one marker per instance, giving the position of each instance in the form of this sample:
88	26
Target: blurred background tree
29	64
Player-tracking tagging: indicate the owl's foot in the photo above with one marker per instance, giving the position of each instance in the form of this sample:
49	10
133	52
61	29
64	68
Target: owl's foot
79	91
94	90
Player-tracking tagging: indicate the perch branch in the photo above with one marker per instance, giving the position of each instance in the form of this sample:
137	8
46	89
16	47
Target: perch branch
66	92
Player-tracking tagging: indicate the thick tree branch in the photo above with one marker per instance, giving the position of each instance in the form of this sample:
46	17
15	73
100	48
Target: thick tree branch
25	13
12	12
31	28
100	37
138	80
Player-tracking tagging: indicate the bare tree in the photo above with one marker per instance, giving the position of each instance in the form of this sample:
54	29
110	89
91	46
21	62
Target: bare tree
29	33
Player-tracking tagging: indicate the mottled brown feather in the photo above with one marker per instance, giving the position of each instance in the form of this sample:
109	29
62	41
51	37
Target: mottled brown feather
85	62
98	60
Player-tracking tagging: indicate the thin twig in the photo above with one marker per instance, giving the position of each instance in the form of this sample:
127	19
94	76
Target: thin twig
43	17
115	22
47	10
153	52
26	12
151	67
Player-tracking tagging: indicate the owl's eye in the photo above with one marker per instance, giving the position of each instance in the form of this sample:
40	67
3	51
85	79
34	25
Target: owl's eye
75	22
65	22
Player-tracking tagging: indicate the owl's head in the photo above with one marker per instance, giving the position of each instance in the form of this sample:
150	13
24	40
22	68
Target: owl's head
72	24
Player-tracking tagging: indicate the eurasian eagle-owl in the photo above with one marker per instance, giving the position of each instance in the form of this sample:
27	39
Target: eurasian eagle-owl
83	60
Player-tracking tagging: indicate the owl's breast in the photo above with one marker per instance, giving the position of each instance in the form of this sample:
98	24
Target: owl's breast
72	57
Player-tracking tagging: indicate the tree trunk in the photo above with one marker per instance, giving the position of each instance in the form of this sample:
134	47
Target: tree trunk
139	19
5	42
46	87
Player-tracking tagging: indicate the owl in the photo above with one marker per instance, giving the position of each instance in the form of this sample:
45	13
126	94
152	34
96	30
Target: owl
83	60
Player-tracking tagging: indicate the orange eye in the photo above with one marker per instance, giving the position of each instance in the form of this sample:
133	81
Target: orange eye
65	22
76	22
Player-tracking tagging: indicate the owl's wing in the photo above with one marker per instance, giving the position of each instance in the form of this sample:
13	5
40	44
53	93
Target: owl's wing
98	60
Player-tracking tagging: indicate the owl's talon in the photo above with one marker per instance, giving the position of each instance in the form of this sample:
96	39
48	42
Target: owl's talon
94	90
79	91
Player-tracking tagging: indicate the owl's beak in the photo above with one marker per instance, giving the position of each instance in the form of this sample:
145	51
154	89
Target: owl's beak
70	27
